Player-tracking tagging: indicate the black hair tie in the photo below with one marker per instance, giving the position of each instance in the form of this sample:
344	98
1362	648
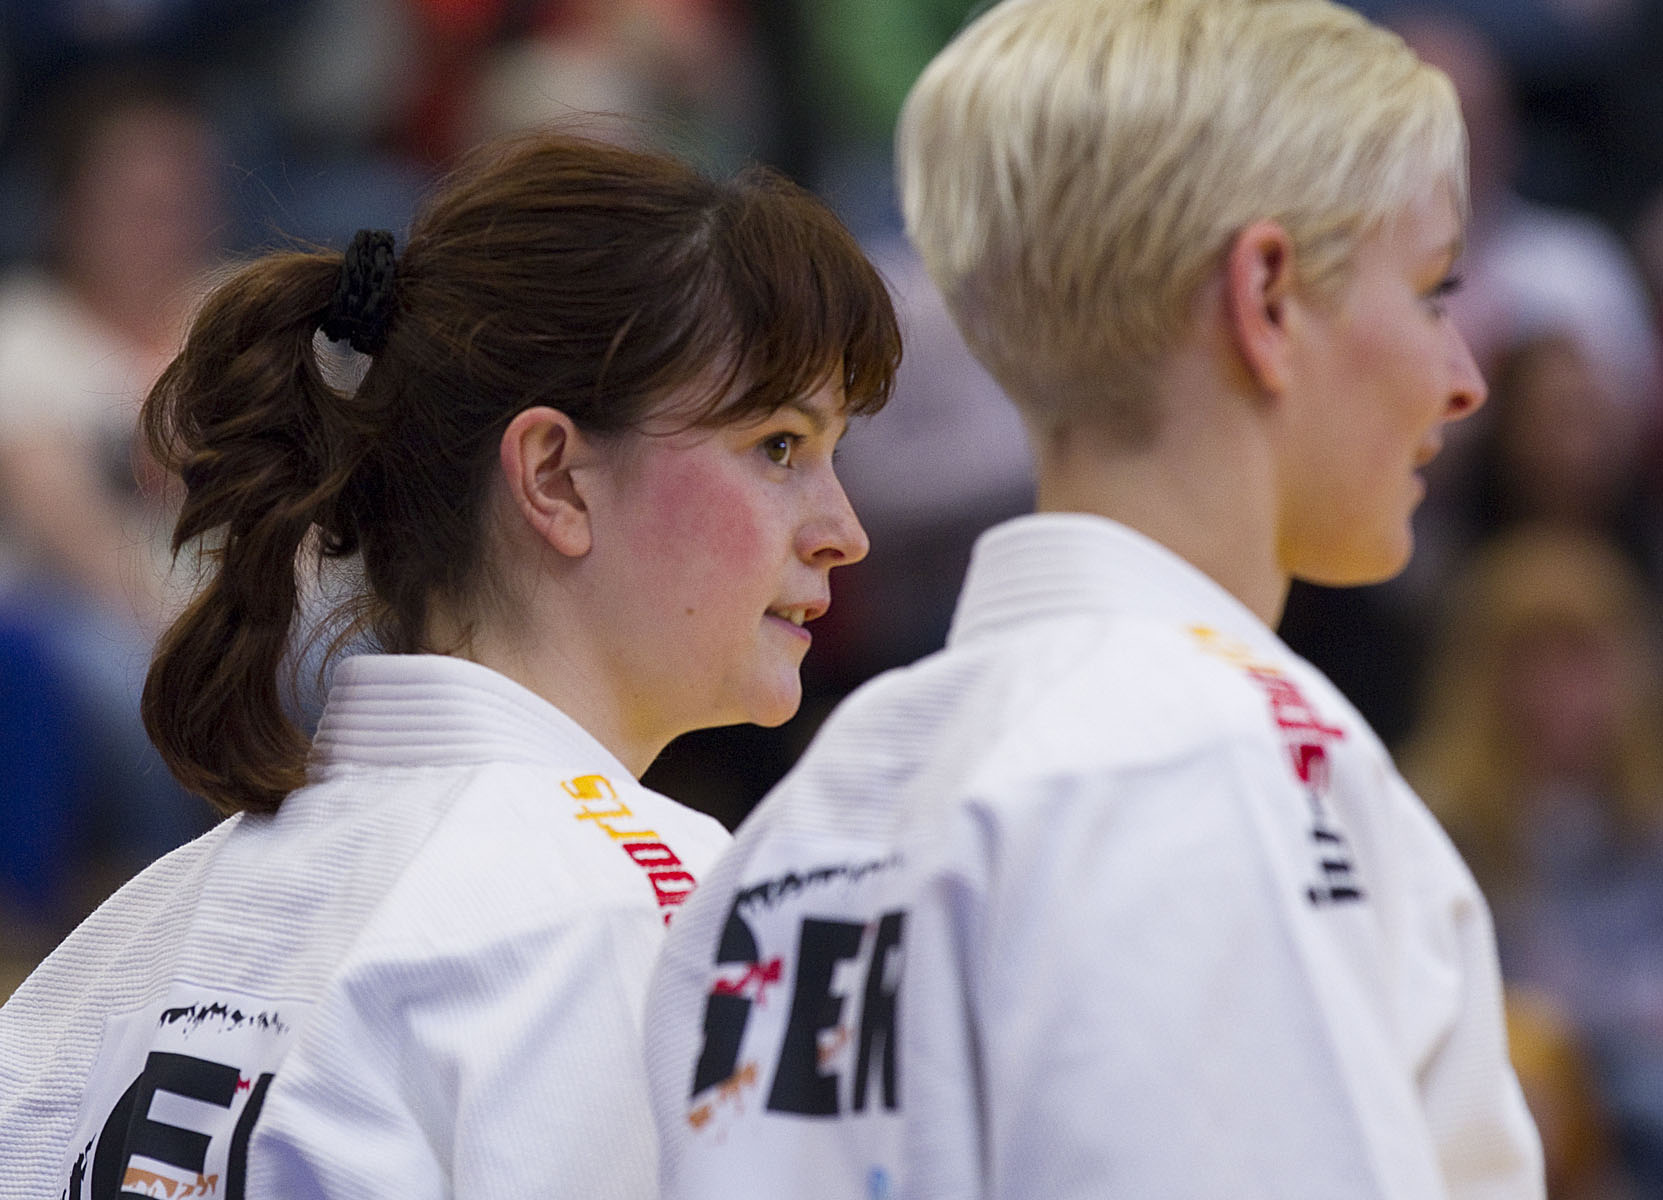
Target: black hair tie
362	306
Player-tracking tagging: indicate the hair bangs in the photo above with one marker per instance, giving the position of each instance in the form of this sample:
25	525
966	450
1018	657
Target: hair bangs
797	304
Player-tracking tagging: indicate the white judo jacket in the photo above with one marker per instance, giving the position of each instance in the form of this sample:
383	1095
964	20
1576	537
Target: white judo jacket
1114	897
423	977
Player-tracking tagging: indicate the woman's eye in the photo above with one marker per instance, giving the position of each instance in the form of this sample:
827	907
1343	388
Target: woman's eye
1446	288
779	448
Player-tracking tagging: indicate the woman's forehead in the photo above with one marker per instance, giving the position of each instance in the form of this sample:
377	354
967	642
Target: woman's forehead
724	397
826	404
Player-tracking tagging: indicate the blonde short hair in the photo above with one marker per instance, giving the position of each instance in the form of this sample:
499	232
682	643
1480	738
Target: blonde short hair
1073	170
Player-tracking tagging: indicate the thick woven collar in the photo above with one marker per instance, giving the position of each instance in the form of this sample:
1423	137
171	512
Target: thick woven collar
391	710
1048	566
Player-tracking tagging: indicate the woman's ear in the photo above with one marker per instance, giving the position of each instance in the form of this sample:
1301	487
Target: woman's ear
1258	286
539	451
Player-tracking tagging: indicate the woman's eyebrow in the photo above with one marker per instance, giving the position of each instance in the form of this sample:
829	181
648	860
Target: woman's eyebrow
814	416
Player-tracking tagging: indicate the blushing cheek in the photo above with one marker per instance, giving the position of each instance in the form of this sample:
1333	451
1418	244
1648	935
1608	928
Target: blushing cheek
709	530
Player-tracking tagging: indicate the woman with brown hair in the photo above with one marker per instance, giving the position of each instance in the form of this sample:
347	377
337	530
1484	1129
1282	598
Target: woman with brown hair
585	492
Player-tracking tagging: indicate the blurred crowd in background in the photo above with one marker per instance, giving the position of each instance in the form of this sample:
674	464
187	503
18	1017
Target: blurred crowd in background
145	144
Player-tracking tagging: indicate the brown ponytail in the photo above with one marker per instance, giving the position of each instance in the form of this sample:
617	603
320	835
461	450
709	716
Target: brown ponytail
265	447
548	270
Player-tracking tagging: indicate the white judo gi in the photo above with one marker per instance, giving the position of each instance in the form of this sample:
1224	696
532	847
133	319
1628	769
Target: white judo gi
423	977
1114	897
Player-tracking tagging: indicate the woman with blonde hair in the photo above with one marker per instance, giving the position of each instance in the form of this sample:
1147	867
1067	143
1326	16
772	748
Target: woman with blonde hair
1117	896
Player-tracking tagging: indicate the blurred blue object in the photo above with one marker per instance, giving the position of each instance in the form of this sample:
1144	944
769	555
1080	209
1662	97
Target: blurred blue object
40	780
47	30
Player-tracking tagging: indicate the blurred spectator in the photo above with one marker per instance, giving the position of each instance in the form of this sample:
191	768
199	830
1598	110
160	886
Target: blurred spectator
1561	448
1540	746
1578	1144
680	74
83	515
45	44
369	99
1530	269
1588	88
